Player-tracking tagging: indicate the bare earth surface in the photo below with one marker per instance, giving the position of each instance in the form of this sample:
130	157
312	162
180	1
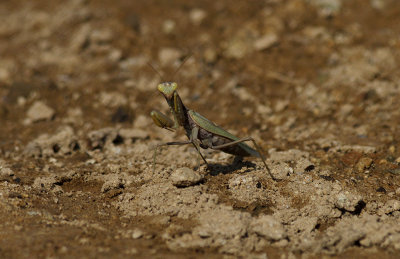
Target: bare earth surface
315	82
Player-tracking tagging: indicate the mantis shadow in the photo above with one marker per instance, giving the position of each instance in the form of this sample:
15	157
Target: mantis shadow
215	169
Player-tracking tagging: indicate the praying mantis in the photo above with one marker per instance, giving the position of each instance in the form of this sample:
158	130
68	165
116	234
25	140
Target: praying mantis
201	132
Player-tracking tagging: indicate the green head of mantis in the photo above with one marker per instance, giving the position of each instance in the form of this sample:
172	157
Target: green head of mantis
201	132
168	90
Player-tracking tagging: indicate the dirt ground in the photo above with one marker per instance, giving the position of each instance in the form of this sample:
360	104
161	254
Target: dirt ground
315	82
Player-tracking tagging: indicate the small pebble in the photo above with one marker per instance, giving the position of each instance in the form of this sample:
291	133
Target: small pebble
197	16
169	55
266	41
210	55
40	111
185	177
168	26
101	36
383	161
137	233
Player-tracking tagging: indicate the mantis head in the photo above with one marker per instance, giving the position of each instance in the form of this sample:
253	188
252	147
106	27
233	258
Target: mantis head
167	89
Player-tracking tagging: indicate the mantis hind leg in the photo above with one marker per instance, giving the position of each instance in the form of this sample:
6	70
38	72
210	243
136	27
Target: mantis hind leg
255	145
177	143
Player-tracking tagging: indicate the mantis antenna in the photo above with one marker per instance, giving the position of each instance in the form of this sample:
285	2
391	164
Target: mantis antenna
176	70
155	70
181	65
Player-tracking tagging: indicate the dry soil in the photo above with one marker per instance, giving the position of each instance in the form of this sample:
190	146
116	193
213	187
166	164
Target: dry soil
315	82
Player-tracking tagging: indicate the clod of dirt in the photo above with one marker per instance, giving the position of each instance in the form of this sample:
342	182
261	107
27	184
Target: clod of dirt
348	201
101	36
5	171
112	99
327	8
239	45
185	177
113	182
390	207
39	111
215	232
367	230
133	134
281	170
303	165
269	227
247	188
100	138
363	164
304	225
63	142
53	183
289	155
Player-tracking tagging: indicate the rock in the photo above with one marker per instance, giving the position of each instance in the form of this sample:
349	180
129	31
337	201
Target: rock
265	41
184	177
39	111
269	227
